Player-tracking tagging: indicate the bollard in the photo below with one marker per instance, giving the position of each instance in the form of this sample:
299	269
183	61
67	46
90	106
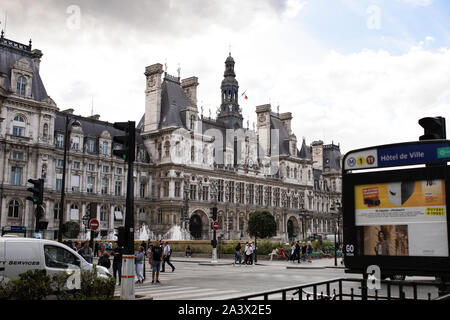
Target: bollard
128	277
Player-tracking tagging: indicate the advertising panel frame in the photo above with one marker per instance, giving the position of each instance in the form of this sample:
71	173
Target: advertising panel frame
354	259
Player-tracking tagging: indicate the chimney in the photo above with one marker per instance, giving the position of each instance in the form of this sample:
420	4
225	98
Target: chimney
153	96
36	55
286	120
189	86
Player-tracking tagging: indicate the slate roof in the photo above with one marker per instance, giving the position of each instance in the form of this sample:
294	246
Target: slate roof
173	103
331	153
92	128
8	57
275	123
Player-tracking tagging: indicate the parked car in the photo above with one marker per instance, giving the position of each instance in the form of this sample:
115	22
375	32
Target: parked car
18	255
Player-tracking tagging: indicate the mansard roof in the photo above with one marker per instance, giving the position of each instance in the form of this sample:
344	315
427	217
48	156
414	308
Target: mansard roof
173	104
331	158
91	127
10	53
275	123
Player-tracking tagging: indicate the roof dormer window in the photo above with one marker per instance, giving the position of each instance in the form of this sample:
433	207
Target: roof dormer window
21	85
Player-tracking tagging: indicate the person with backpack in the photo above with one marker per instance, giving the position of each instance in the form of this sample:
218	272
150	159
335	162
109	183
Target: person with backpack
103	258
156	255
237	256
166	257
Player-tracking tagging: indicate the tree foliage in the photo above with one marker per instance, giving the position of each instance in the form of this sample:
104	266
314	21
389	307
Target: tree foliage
261	224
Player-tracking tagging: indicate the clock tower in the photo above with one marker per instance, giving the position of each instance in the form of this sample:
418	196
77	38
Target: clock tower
230	114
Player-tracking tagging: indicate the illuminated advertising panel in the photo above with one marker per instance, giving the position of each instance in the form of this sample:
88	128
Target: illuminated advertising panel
402	218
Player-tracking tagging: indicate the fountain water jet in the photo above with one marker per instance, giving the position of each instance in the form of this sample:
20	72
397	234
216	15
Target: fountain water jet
176	233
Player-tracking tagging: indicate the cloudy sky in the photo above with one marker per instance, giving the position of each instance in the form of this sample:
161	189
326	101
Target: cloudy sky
354	72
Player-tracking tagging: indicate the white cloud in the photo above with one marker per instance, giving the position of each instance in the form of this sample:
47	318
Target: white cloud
371	97
360	99
415	3
293	7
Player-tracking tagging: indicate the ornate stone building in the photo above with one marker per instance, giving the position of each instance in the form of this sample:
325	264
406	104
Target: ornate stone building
186	162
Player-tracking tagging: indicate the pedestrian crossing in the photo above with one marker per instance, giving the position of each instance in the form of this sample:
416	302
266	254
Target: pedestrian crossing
168	292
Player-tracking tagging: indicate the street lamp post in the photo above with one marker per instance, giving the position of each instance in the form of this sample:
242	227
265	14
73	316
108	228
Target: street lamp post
63	182
336	209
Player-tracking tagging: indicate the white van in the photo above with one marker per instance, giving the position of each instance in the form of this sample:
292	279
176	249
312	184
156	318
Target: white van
18	255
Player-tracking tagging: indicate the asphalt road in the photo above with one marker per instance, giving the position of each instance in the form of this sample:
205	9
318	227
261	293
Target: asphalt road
200	280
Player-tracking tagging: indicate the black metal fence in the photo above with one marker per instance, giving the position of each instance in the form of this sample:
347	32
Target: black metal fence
353	289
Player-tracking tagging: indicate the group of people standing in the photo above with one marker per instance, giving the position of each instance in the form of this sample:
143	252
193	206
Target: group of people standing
301	250
249	252
158	255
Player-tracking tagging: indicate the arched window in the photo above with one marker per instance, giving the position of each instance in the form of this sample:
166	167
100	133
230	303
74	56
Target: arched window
13	209
19	126
21	85
19	119
295	173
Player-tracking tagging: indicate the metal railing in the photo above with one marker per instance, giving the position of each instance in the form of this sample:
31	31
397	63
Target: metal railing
353	289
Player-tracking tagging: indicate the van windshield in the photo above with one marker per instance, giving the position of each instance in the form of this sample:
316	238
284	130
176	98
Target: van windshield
57	257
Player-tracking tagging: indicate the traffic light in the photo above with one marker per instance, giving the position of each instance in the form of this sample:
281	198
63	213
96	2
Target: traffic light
128	141
213	212
37	190
434	128
121	237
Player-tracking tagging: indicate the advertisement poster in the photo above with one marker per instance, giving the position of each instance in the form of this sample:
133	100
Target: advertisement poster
402	218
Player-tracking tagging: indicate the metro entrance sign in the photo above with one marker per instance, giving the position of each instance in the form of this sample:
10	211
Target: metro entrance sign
393	155
397	218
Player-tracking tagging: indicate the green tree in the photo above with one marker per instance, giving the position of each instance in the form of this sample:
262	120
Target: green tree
261	224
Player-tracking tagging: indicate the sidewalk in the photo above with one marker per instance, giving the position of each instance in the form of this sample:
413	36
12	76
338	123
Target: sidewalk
315	264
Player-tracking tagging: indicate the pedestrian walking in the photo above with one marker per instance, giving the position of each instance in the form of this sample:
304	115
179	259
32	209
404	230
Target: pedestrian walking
150	255
86	252
166	257
156	255
117	263
297	251
249	253
304	249
245	253
140	264
292	256
309	252
253	253
237	256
